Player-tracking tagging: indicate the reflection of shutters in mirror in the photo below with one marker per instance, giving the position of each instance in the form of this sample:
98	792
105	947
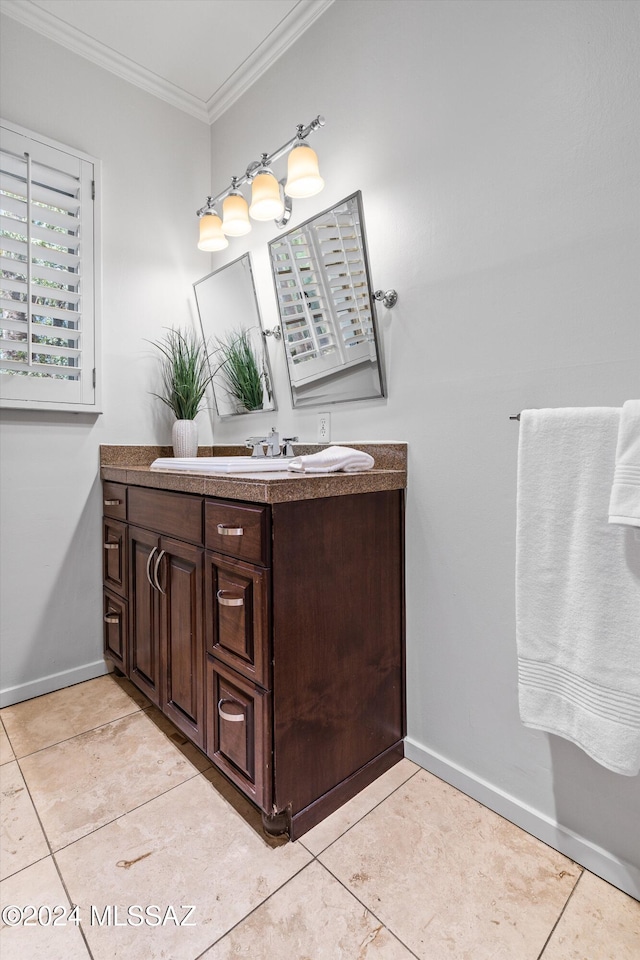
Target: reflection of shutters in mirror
324	301
47	355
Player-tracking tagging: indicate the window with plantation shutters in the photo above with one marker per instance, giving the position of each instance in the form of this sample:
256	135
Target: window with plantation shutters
48	278
323	295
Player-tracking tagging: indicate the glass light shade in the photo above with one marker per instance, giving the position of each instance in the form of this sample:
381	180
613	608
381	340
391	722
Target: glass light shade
303	175
235	215
266	202
211	236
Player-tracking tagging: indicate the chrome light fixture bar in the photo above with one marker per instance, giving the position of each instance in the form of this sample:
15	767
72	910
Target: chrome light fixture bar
271	199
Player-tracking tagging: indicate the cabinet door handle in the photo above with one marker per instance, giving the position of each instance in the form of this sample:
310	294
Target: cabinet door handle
155	573
149	558
111	546
113	503
229	601
231	717
226	531
112	617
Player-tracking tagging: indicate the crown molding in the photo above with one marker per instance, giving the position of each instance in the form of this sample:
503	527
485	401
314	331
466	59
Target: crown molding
278	41
73	39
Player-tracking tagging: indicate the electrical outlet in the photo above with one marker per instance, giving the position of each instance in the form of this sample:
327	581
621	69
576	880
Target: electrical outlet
324	427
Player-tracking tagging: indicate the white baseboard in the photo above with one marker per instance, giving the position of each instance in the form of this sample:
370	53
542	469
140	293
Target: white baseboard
55	681
594	858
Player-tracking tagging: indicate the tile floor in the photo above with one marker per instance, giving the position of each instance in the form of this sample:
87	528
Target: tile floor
107	807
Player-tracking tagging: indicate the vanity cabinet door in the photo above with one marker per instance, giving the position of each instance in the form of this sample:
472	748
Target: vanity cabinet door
179	579
144	632
115	616
239	731
114	556
237	616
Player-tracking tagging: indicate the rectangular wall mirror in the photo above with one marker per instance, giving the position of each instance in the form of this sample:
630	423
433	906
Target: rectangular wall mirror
232	330
321	276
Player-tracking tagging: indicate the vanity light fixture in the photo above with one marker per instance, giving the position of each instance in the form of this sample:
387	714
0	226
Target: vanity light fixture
271	199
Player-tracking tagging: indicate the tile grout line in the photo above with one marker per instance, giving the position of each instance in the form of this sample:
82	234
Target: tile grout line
314	859
257	907
364	815
50	854
75	735
369	910
561	914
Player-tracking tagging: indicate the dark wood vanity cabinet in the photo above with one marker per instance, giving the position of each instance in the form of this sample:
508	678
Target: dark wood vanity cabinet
271	635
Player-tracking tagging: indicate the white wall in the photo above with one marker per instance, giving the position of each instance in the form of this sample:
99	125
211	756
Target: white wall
495	147
155	163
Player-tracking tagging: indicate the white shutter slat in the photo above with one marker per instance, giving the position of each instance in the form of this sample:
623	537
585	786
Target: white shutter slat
58	275
40	329
47	369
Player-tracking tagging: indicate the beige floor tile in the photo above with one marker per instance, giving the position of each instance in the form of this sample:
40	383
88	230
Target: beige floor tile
600	922
81	784
187	847
450	878
54	717
39	886
334	826
6	753
311	918
22	841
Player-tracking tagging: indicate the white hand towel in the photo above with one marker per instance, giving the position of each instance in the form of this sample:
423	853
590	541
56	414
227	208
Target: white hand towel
332	460
214	465
624	506
577	588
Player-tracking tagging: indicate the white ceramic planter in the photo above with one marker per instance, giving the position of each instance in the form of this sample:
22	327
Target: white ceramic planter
184	436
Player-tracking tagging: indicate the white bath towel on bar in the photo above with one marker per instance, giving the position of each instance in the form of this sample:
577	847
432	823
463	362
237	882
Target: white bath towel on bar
624	506
577	588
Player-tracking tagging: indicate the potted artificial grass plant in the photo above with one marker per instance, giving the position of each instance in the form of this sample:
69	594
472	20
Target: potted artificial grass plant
239	371
185	375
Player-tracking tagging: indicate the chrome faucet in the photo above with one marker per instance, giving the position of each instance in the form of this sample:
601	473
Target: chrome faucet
272	443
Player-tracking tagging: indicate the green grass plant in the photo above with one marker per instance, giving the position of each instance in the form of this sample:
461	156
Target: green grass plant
185	372
238	369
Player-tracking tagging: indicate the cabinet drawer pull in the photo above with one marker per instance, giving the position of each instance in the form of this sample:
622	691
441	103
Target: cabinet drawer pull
226	531
232	717
113	503
112	546
112	617
229	601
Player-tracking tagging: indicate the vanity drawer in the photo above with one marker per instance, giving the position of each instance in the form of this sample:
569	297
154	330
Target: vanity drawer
237	530
115	622
172	514
114	556
114	500
238	731
237	619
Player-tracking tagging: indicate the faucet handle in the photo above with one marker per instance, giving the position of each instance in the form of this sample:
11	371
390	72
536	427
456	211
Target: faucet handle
287	449
256	443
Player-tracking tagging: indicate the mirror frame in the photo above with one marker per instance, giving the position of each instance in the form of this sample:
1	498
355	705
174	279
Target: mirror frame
379	366
258	325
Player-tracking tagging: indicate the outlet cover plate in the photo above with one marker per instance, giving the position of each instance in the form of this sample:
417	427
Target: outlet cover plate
324	427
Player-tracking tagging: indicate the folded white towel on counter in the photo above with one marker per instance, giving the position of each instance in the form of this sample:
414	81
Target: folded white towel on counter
211	465
332	460
577	588
624	505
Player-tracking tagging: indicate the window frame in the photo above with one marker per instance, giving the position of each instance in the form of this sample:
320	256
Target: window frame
46	392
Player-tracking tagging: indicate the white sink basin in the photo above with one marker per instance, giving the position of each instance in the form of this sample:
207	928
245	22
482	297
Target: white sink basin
215	465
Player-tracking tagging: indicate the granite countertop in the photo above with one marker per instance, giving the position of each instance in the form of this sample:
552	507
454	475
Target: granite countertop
131	464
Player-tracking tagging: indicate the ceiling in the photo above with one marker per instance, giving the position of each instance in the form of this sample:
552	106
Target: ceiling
199	55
